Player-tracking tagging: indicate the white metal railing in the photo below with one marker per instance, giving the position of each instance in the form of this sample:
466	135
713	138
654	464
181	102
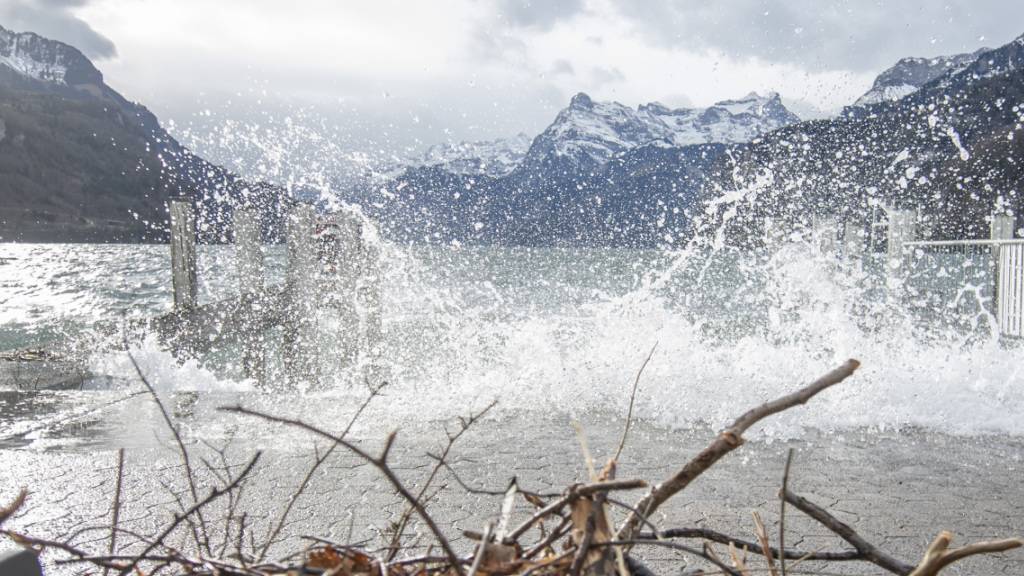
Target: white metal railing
1010	291
941	243
1001	268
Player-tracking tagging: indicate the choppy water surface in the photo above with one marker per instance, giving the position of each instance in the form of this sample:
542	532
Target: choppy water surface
565	330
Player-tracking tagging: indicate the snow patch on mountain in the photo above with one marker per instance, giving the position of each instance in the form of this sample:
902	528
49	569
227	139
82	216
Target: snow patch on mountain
46	60
598	131
494	158
909	74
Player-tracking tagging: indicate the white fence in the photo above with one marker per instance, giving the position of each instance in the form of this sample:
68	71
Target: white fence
997	263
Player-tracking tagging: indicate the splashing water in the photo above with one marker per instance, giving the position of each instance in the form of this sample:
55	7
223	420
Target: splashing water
561	329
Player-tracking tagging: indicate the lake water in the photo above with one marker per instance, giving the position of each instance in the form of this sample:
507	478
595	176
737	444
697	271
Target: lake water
565	330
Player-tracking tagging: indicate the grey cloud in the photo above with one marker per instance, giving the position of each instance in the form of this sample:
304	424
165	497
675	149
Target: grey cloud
816	35
601	76
541	14
562	66
55	19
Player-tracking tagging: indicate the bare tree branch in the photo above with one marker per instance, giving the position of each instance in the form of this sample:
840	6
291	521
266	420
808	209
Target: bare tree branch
726	442
379	464
870	552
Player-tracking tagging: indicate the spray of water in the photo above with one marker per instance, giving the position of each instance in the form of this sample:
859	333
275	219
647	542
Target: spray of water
566	329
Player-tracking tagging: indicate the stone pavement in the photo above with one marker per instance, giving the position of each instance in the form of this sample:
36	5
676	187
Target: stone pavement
898	489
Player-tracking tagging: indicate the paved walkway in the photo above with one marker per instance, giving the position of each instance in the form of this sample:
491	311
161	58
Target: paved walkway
897	489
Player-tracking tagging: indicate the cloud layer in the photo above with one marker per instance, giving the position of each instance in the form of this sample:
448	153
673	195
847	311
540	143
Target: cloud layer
56	19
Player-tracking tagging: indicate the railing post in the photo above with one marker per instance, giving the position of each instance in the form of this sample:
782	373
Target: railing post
183	255
1001	228
301	341
250	268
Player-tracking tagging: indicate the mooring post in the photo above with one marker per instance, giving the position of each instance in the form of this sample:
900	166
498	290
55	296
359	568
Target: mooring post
342	255
902	229
183	255
825	230
251	288
371	284
300	326
853	240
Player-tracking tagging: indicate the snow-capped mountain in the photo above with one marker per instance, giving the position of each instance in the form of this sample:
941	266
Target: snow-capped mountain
494	158
909	74
79	162
590	132
38	58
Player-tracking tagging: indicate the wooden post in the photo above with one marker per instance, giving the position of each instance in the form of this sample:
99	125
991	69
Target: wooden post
343	255
902	229
183	255
825	230
853	240
300	327
250	268
369	294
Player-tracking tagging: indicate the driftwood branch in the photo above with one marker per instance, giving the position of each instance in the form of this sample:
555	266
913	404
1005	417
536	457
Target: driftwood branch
869	551
730	439
722	538
938	555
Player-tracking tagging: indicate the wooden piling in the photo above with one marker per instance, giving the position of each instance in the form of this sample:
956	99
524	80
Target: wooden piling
342	255
183	255
370	296
825	230
251	288
854	240
300	327
902	229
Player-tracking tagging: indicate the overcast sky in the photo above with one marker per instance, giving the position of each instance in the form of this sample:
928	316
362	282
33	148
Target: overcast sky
411	73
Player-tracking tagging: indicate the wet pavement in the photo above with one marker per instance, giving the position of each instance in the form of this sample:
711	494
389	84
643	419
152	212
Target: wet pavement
898	489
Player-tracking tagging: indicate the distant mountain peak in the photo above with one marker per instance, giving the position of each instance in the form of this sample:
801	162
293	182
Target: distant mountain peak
581	100
909	74
45	60
494	158
592	132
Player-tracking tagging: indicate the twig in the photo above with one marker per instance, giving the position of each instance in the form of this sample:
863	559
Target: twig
318	460
556	534
378	463
464	425
632	400
214	494
117	505
726	442
9	510
938	555
189	474
762	537
481	550
870	552
713	536
782	511
577	491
